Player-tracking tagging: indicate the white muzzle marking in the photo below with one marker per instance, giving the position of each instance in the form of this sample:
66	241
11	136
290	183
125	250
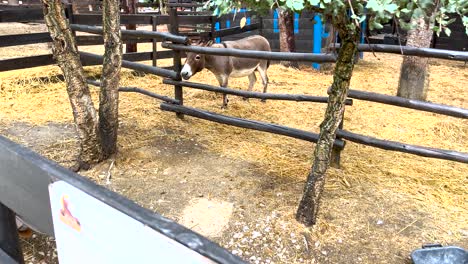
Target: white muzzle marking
186	72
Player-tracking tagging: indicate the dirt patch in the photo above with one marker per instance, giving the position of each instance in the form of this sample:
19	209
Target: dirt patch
206	216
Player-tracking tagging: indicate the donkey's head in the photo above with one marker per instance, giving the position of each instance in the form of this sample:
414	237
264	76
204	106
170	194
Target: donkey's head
195	62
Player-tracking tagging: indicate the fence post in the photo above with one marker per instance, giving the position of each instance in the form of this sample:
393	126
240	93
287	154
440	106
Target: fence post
174	29
9	240
213	27
154	20
336	152
71	20
131	46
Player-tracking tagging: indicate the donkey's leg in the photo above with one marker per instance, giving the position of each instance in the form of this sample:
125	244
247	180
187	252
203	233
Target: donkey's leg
263	74
252	80
223	82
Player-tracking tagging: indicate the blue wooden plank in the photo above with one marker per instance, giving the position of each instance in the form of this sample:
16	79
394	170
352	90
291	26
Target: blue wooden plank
275	22
363	35
317	47
217	27
296	23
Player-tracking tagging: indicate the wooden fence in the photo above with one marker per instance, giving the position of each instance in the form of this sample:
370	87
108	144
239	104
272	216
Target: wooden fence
291	132
194	26
177	44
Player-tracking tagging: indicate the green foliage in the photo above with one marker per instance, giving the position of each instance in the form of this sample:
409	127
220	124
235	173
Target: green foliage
378	11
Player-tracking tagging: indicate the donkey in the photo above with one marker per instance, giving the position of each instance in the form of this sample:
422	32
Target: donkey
224	67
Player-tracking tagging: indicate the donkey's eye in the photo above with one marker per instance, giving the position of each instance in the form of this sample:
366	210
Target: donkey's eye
197	57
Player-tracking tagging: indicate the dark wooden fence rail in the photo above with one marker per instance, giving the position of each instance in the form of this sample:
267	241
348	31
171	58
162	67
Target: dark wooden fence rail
44	60
98	59
266	55
188	5
26	62
21	15
81	40
405	148
258	95
236	30
408	103
412	51
135	34
96	19
245	123
24	39
141	91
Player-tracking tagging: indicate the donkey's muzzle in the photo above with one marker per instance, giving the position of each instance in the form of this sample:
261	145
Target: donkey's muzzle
185	75
186	72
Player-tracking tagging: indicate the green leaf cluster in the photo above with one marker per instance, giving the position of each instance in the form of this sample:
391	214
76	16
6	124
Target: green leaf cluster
379	12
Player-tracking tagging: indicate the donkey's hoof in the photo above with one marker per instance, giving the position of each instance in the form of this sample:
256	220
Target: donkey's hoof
224	106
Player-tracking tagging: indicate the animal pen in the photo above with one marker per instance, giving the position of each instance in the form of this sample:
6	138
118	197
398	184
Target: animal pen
24	163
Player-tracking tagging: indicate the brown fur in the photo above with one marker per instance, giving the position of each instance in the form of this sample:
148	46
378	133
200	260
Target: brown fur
224	67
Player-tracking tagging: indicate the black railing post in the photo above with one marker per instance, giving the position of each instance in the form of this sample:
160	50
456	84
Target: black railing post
154	20
9	239
336	152
71	19
174	29
213	28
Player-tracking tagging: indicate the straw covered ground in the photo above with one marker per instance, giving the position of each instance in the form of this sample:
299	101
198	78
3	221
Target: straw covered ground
241	187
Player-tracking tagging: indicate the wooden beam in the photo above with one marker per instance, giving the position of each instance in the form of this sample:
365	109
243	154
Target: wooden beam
134	34
139	90
254	54
408	103
412	51
24	39
245	123
258	95
21	15
405	148
26	62
94	59
235	30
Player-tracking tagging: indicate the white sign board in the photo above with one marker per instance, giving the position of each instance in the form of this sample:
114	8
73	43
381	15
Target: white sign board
90	231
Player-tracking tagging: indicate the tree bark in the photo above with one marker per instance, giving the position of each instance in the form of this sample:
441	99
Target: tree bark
414	74
162	10
109	95
308	207
287	41
66	54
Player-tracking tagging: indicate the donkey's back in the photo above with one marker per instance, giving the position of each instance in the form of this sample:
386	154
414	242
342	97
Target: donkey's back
255	42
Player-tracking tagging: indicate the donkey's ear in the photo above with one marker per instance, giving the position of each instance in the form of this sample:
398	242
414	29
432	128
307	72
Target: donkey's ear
194	41
209	43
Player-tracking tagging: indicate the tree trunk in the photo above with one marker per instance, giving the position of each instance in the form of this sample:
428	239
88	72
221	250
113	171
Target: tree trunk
287	42
109	96
131	9
162	10
414	75
308	207
66	54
